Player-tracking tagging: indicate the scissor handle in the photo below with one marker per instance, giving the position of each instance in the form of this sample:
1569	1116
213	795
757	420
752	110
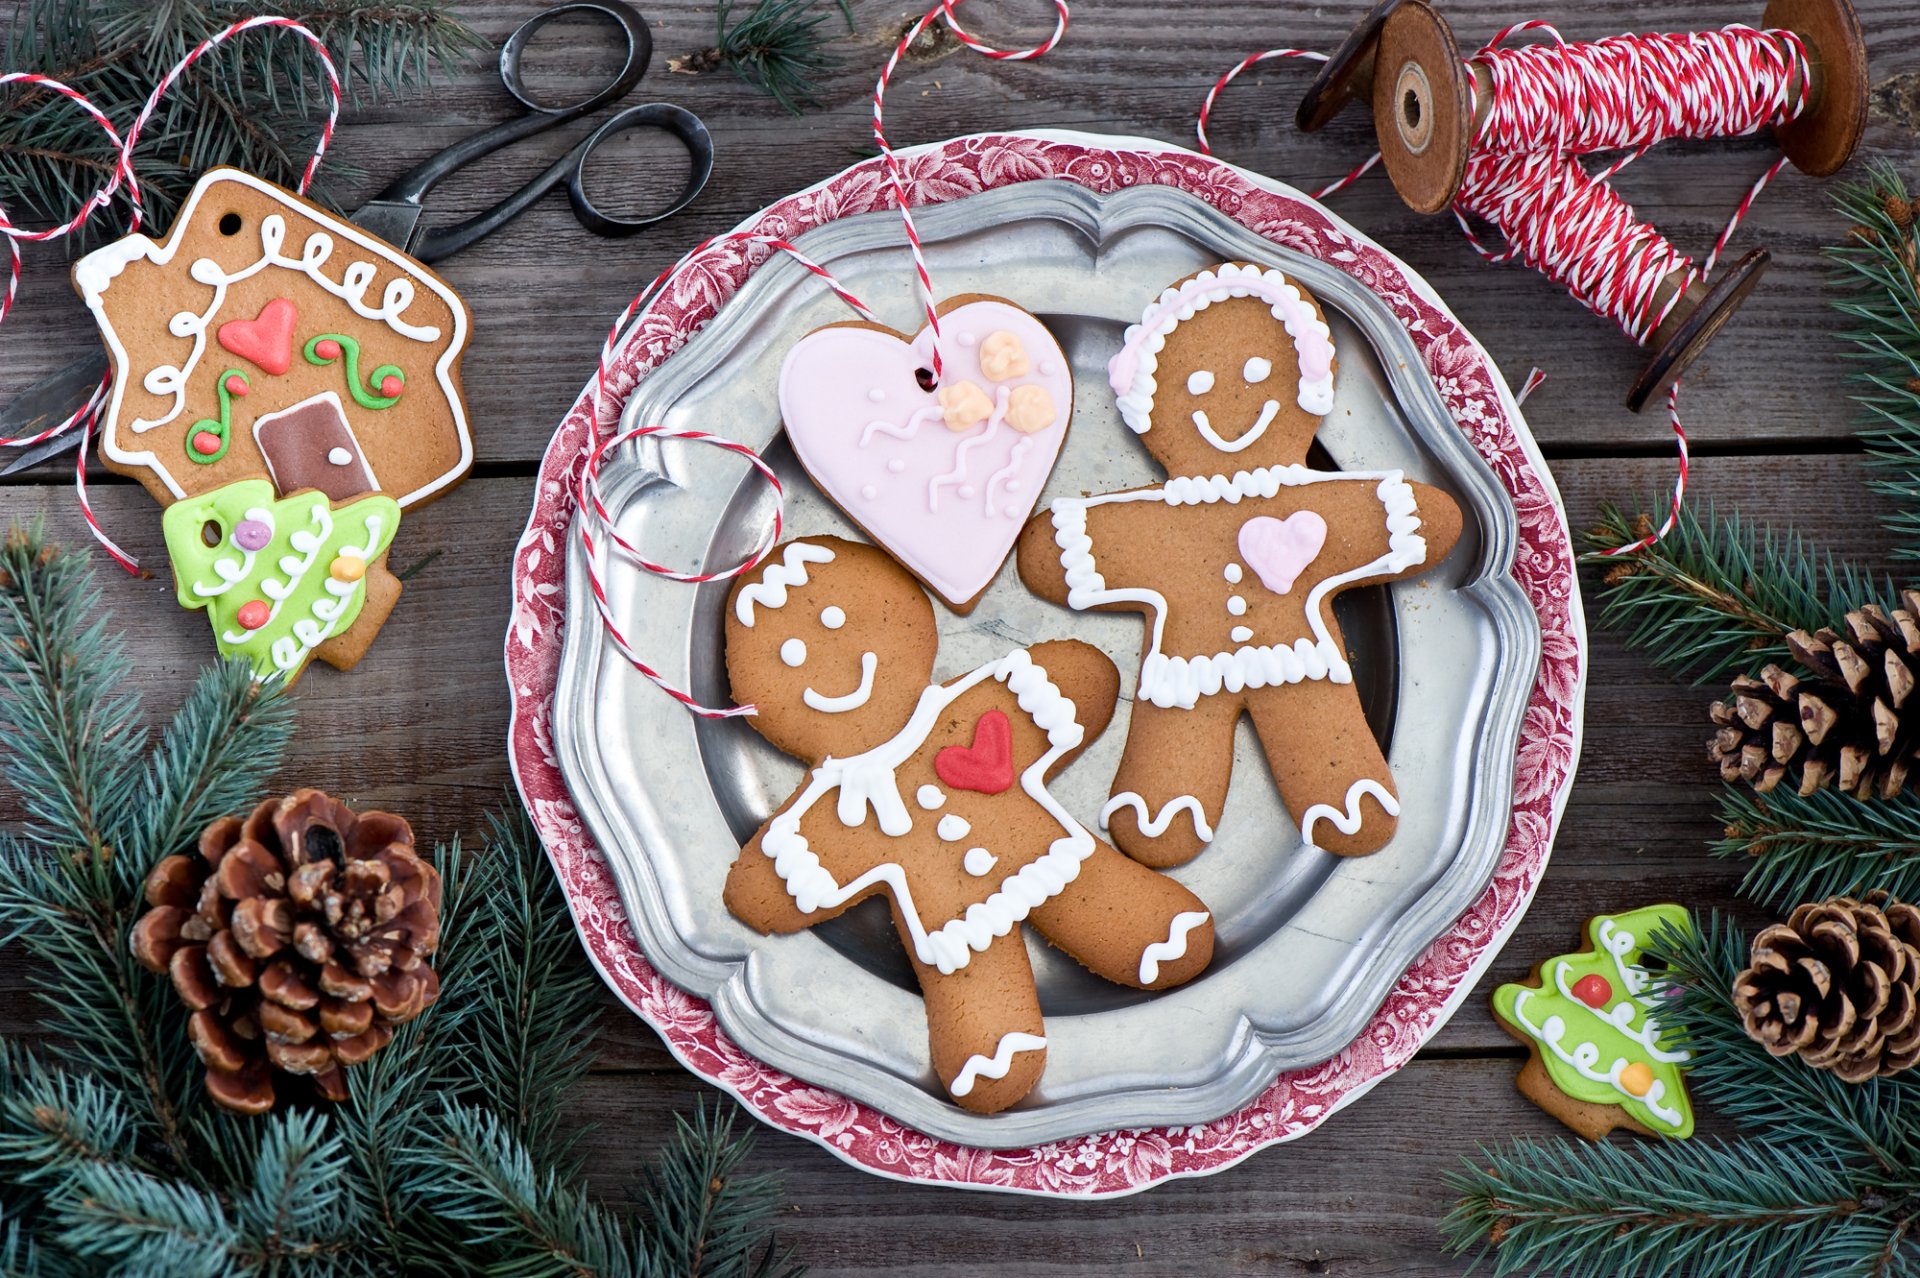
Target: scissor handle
417	181
571	169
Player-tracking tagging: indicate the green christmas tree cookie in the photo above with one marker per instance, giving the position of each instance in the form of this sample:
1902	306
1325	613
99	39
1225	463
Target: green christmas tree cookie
279	577
1592	1024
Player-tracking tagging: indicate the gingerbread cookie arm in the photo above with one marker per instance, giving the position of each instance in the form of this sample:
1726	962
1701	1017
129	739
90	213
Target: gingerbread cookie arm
1127	540
1128	923
1334	780
1172	780
758	896
1087	678
983	1024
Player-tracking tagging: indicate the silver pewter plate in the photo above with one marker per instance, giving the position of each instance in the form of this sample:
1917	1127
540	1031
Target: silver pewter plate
1307	944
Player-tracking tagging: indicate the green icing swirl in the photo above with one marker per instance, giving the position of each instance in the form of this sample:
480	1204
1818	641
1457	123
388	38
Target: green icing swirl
290	574
1586	1049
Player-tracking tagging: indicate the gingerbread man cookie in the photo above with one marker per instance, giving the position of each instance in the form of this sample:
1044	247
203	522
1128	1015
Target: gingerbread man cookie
935	795
1236	560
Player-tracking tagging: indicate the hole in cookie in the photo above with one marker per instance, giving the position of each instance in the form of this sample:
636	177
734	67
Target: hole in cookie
230	223
925	377
211	534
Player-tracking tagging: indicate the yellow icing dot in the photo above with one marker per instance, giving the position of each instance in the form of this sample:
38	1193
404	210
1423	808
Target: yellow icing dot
1029	409
347	568
963	405
1637	1078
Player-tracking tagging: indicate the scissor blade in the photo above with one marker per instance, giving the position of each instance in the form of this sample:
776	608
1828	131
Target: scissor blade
394	221
43	450
47	403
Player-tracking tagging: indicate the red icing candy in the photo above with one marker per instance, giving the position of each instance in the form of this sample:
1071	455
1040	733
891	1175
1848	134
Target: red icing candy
986	766
253	614
391	385
327	348
1593	991
236	384
206	443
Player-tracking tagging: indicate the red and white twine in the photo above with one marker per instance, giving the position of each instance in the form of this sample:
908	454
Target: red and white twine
592	516
87	416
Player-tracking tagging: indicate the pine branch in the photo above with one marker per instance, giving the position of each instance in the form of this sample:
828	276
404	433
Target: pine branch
705	1217
1720	594
777	47
1807	848
1879	265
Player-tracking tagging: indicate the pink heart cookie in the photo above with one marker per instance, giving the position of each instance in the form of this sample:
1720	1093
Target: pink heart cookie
942	479
1279	550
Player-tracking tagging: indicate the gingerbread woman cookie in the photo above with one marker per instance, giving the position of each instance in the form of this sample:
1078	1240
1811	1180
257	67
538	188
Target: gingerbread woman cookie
936	796
1236	560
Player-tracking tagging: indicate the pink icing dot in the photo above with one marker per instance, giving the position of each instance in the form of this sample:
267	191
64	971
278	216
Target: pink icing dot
390	385
251	534
327	348
206	443
236	384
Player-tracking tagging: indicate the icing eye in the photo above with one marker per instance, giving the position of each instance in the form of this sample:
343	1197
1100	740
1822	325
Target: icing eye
832	618
794	652
1257	370
1199	383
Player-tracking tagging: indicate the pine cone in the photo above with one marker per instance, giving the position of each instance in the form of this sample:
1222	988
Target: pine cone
1838	984
299	937
1844	725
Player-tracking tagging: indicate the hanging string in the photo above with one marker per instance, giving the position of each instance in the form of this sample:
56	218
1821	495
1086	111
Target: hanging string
87	416
896	177
1254	60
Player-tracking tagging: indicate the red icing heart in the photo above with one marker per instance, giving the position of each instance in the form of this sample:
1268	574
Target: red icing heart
266	341
986	766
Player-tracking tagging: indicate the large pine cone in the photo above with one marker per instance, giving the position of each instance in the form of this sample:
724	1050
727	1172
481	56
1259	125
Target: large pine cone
1845	725
1838	984
299	937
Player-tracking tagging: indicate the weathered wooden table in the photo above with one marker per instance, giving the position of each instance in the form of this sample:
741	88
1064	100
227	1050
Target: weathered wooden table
420	726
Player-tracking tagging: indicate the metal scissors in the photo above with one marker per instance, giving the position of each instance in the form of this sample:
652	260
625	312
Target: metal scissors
395	214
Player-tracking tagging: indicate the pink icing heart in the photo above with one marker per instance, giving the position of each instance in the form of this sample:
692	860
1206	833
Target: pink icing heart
1280	549
946	501
266	341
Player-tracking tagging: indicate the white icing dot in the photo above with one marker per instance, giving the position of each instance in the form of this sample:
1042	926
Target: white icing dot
1257	370
1234	573
876	394
869	492
833	618
1236	605
1016	485
895	466
1048	367
968	339
967	490
979	861
953	828
1240	634
929	797
339	457
794	652
1199	382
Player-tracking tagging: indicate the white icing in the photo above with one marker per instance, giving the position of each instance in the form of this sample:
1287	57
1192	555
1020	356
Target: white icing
979	862
997	1066
1234	573
1177	304
1256	370
1236	605
994	421
833	617
847	701
309	632
876	395
905	430
339	457
794	652
1268	412
1155	825
1182	681
1175	946
869	491
1241	634
1199	382
1584	1058
1015	456
1348	822
930	797
232	572
867	781
771	589
953	828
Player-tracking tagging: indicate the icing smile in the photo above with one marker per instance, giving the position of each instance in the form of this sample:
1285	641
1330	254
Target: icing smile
1259	428
852	700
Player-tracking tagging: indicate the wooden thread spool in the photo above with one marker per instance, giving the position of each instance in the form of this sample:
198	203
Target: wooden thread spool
1429	104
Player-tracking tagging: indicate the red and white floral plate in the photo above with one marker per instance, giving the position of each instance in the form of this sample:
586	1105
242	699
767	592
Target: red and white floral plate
1432	987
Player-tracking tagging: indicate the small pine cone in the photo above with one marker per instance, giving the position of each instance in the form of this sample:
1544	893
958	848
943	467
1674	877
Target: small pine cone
1847	724
298	937
1837	984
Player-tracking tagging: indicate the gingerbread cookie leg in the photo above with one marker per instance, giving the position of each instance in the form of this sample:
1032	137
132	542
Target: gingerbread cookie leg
983	1022
1332	776
1130	924
1172	780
